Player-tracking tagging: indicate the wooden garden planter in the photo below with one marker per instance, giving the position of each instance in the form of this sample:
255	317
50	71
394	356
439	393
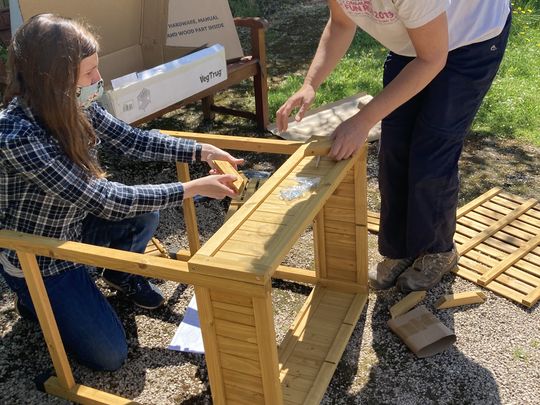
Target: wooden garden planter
232	275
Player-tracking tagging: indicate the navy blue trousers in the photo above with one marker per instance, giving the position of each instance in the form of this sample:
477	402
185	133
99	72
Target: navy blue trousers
420	146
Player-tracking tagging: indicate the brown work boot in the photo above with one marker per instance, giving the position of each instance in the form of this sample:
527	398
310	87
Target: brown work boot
427	271
384	274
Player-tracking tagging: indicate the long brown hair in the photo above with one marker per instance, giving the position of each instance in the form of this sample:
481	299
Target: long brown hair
43	68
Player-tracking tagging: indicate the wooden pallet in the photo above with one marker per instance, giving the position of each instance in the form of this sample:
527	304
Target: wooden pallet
498	239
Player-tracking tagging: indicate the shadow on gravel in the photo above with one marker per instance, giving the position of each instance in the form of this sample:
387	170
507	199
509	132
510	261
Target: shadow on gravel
389	373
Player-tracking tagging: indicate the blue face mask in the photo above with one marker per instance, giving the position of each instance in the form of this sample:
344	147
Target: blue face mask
86	95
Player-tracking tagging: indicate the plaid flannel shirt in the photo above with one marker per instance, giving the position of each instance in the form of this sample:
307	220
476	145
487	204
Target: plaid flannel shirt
42	192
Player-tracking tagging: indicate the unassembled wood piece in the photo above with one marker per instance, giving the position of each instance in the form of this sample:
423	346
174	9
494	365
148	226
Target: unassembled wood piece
458	299
225	167
498	237
407	303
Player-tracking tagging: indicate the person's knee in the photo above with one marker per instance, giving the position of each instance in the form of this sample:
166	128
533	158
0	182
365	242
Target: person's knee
109	360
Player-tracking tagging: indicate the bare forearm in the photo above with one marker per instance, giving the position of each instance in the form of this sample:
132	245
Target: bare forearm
409	82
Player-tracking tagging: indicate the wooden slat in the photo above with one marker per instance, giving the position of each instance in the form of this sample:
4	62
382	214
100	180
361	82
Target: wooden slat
478	202
236	378
225	167
46	319
509	261
188	207
262	145
82	394
238	348
319	245
212	354
234	363
266	341
458	299
531	298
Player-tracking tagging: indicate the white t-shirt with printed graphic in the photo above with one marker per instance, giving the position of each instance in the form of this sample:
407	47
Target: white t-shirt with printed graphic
469	21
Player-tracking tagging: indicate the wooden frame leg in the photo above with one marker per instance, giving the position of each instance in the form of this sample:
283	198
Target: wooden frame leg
190	215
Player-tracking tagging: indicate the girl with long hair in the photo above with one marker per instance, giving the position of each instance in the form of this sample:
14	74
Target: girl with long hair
51	183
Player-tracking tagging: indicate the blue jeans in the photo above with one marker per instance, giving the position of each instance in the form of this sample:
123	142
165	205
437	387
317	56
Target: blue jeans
420	146
90	329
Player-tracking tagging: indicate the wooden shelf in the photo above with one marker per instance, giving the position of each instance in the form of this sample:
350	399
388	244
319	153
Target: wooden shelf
312	348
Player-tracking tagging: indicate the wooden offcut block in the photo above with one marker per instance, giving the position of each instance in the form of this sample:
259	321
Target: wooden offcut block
458	299
225	167
407	303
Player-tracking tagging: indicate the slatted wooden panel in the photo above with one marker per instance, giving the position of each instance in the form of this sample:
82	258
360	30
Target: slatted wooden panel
341	230
498	237
240	346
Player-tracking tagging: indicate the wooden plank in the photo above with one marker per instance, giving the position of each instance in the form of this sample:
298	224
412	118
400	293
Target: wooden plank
129	262
82	394
188	207
266	340
478	202
236	378
486	233
237	348
235	299
225	167
320	384
458	299
532	298
407	303
509	261
319	245
224	315
339	227
211	351
241	396
362	255
295	274
298	326
243	333
234	363
262	145
355	309
46	319
339	214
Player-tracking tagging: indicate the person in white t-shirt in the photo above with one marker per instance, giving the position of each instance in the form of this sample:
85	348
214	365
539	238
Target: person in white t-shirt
444	55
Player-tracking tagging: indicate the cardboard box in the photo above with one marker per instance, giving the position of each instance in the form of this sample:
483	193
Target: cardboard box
422	332
189	75
133	38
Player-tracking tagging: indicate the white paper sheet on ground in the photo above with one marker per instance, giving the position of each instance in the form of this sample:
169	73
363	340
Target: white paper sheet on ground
188	337
323	120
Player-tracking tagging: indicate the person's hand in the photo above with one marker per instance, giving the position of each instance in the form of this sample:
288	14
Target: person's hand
302	99
210	153
214	186
347	138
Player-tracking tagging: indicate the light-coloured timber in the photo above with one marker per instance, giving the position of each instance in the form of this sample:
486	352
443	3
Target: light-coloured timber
459	299
407	303
225	167
232	277
188	207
